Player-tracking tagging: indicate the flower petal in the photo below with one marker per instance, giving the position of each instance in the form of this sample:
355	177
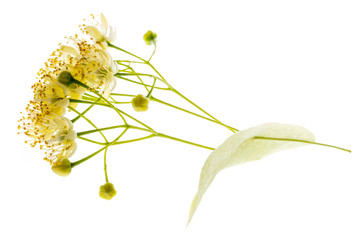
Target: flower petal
95	33
104	23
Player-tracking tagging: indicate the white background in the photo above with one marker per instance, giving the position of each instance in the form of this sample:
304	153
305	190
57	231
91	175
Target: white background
247	63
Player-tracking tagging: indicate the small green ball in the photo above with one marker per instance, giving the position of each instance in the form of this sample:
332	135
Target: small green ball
62	167
140	103
107	191
65	78
150	37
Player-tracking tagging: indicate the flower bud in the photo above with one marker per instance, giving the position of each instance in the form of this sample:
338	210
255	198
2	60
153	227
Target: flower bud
107	191
140	103
62	167
65	78
150	37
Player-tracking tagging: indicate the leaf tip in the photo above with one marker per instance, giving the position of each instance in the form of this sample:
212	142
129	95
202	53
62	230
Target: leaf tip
193	207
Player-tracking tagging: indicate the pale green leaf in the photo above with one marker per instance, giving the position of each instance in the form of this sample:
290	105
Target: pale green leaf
247	145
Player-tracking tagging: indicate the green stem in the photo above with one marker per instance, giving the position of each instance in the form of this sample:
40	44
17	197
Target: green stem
171	88
195	105
184	110
119	73
99	95
184	141
153	51
105	166
132	70
124	95
88	120
113	127
143	129
132	81
113	46
152	88
73	164
301	141
100	129
105	105
121	61
188	100
134	140
83	113
89	140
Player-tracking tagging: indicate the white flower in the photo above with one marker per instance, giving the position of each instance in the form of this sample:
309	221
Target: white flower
101	31
53	133
90	64
62	142
53	94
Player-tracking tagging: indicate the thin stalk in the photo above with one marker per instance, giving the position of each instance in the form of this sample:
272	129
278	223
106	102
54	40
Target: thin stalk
184	141
154	134
105	105
113	46
115	102
119	73
89	121
120	61
153	51
195	105
152	88
185	98
302	141
171	88
134	140
132	70
132	81
82	114
105	166
73	164
187	111
89	140
99	95
113	127
124	95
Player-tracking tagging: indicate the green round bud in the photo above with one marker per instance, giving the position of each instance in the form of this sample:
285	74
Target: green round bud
65	78
107	191
62	167
150	37
140	103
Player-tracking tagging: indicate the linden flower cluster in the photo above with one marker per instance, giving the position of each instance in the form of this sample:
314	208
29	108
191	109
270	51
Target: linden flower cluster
81	71
84	59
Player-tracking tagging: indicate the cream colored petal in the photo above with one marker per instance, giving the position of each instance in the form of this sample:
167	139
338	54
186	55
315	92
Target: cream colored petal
63	103
95	33
104	23
111	37
106	58
112	82
242	147
71	135
69	50
71	149
59	90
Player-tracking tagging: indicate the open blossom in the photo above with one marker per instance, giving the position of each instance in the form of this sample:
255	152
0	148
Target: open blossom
51	132
101	31
53	94
62	143
89	64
